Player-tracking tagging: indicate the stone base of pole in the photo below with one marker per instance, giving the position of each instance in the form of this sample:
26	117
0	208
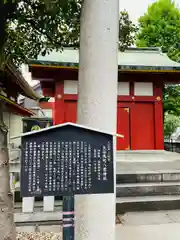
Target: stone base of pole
96	217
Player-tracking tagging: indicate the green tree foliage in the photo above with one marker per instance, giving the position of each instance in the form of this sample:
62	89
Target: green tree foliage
170	124
160	27
127	31
32	27
172	99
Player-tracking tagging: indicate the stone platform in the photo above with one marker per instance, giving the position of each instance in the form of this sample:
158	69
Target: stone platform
146	156
123	167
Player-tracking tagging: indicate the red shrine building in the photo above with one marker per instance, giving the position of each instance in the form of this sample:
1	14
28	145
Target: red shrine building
142	73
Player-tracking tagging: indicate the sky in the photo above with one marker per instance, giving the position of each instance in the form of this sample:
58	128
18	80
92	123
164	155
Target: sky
137	8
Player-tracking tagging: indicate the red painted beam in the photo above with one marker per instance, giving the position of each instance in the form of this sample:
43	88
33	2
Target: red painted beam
70	97
136	99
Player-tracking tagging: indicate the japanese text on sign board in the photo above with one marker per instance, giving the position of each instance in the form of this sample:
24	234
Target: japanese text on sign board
66	168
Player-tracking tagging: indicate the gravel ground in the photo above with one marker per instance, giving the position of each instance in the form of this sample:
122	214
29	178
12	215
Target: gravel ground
38	236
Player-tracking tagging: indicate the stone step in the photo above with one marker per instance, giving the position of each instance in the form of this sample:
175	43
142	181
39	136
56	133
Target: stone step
147	189
147	203
123	205
142	177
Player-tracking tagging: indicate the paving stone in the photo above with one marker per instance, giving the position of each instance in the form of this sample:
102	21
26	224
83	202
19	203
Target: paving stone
174	215
145	218
148	232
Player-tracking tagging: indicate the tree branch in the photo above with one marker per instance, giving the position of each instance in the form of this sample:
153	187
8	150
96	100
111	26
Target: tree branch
33	25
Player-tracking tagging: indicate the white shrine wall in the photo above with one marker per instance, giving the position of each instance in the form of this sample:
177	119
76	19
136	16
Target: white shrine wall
140	88
123	88
143	89
70	87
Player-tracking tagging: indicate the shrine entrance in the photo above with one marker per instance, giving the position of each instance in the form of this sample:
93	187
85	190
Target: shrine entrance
142	74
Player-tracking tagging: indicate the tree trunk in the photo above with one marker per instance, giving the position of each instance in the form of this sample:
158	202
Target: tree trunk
7	226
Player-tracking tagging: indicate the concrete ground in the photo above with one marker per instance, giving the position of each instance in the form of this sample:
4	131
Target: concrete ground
159	225
149	232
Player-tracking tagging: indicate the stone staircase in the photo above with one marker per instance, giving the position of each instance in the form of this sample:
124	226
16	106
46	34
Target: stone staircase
149	191
146	180
134	192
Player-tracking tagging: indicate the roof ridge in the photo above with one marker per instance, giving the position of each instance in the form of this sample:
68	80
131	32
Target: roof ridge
147	58
146	49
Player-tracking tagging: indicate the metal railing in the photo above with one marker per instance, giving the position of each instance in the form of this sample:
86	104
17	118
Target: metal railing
172	146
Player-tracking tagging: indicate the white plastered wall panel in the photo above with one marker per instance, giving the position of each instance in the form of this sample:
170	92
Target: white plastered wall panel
123	88
143	89
70	87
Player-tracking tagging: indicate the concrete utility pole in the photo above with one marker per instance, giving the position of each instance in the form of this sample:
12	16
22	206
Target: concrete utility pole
97	106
